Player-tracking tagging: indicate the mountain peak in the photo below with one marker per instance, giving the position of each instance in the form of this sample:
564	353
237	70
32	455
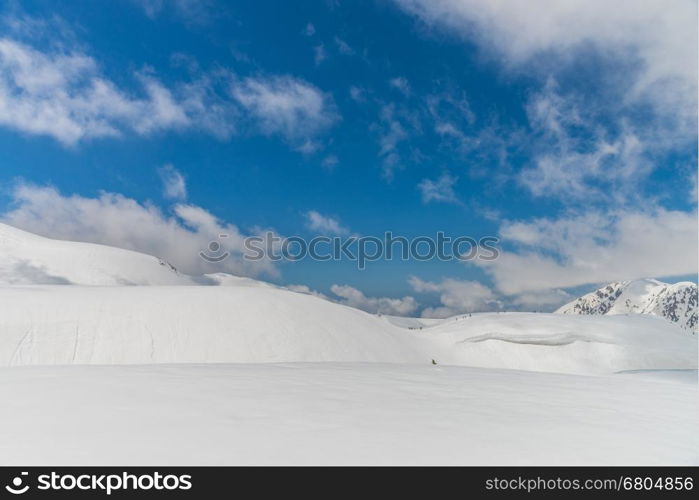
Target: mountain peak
676	302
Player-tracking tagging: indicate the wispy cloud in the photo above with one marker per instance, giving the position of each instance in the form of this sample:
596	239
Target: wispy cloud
309	30
63	94
576	156
441	190
395	126
324	224
357	94
174	184
286	106
319	54
189	11
401	84
343	47
330	161
587	143
60	91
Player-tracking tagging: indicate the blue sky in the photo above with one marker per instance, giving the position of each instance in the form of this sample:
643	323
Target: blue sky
567	130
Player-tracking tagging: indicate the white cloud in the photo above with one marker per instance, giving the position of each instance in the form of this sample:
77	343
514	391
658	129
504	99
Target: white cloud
544	300
639	102
594	247
576	166
309	30
661	39
174	184
357	94
319	54
324	224
384	305
330	161
394	127
61	91
307	290
63	94
115	220
450	105
440	190
343	47
287	106
190	11
456	297
401	83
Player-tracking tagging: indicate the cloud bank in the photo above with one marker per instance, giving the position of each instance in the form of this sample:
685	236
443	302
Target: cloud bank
594	247
115	220
661	39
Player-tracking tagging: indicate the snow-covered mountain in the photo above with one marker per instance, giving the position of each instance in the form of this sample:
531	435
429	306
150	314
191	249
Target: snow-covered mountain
675	302
251	373
43	321
30	259
27	258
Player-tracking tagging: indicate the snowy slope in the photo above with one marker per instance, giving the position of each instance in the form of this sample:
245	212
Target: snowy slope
675	302
565	344
203	324
358	389
26	258
335	413
188	324
248	321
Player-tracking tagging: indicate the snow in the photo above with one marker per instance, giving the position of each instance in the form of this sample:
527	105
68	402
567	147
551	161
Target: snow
246	372
675	302
333	413
230	324
189	324
26	258
411	323
563	343
30	259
